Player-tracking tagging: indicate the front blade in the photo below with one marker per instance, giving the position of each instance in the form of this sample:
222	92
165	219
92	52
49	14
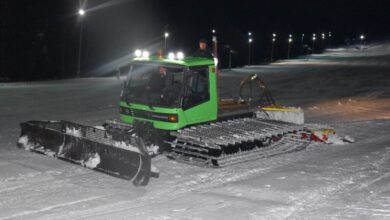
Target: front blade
111	152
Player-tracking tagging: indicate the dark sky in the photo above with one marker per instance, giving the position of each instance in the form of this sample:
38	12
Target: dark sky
39	39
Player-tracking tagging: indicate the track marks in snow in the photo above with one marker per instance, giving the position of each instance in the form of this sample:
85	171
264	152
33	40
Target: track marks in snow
48	208
177	180
346	191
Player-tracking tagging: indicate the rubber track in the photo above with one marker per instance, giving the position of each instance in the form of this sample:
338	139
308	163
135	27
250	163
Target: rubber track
235	141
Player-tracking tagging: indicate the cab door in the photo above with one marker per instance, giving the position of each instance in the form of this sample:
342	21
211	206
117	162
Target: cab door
196	102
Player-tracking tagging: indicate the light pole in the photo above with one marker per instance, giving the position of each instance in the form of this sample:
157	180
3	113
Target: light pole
323	40
81	13
330	39
231	52
213	34
314	39
166	35
362	37
249	52
289	46
272	46
214	41
230	58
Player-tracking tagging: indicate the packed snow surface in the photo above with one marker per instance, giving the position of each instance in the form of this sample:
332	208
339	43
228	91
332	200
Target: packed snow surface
347	89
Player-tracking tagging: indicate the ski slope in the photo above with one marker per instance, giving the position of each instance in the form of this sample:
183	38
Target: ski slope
346	89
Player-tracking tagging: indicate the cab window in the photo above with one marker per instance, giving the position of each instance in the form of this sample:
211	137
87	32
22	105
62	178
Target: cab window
197	87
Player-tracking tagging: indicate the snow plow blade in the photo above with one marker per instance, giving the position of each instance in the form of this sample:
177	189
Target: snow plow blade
110	152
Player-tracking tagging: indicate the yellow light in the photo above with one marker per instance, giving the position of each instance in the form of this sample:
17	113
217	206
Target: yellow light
172	118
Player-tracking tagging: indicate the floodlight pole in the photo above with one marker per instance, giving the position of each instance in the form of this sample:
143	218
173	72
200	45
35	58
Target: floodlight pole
272	46
230	59
314	39
362	38
80	44
166	35
312	51
249	51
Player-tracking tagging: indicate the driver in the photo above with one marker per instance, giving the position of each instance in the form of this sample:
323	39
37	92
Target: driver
159	81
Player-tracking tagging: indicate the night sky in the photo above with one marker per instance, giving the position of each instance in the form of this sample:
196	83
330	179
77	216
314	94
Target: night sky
40	38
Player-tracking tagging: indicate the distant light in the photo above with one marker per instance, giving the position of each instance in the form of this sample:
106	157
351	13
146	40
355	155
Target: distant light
138	53
290	40
249	33
362	37
303	35
314	35
323	36
145	54
213	31
166	34
330	34
171	56
290	35
314	38
81	12
273	39
273	35
250	40
180	55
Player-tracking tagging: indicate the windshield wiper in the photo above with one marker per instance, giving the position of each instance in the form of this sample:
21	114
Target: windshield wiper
148	100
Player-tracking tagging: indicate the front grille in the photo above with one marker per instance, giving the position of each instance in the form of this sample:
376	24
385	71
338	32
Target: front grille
146	114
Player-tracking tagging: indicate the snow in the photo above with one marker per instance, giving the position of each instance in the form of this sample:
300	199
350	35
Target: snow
349	181
74	132
92	161
99	127
349	139
126	146
49	153
24	142
153	149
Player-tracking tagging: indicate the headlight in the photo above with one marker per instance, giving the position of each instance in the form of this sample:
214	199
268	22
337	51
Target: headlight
180	55
145	54
171	56
138	53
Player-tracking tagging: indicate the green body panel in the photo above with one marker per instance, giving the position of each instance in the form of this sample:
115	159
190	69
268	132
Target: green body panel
156	124
204	112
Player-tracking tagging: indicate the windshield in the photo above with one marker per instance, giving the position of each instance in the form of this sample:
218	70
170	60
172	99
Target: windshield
154	85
